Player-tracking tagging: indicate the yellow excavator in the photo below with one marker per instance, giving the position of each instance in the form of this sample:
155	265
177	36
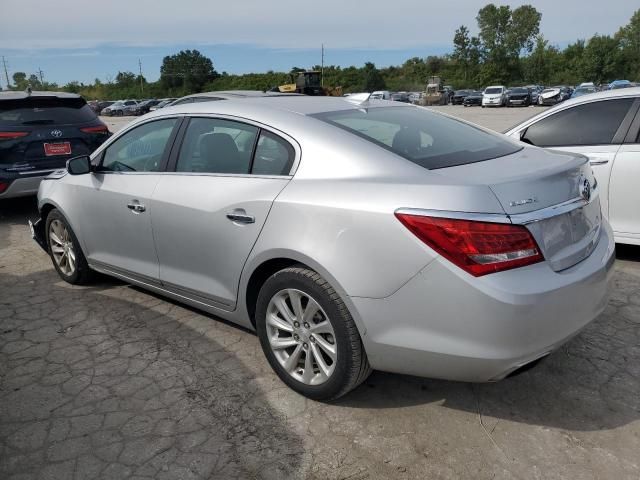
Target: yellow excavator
308	83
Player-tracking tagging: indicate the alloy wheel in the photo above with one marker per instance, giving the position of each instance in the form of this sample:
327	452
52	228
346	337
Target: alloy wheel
61	246
301	336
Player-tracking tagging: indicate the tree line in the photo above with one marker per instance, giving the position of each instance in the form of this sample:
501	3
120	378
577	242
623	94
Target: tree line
508	50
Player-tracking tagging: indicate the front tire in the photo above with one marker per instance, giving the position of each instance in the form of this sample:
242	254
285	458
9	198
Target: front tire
65	252
308	335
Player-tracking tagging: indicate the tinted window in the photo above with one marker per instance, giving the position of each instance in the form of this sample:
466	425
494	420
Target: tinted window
421	136
45	111
492	91
590	124
519	90
139	150
273	156
216	146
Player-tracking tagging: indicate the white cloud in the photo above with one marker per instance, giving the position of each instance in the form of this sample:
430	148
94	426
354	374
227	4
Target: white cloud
282	24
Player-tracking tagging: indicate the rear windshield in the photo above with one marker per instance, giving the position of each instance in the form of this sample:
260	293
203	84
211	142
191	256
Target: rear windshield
491	91
45	111
423	137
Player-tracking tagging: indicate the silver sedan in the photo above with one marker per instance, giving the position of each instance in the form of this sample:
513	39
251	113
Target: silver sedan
351	234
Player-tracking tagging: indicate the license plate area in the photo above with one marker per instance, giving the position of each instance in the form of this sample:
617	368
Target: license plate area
59	148
568	238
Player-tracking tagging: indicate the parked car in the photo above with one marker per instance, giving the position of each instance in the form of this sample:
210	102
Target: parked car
400	97
616	84
518	96
495	96
459	96
317	219
534	92
118	108
39	132
414	97
474	98
583	90
162	103
605	127
102	105
381	95
550	96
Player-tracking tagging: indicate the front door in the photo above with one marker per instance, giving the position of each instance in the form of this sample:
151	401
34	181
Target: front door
624	193
117	201
211	210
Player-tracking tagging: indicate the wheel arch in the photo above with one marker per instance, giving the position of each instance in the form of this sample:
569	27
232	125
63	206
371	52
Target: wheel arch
262	267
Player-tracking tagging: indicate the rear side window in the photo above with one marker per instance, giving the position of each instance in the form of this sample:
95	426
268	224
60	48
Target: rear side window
45	111
592	123
273	156
214	145
421	136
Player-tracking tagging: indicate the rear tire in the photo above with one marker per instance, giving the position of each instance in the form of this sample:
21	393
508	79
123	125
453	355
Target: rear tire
306	332
65	252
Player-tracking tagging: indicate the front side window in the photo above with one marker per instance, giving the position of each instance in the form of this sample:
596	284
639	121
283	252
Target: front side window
592	123
421	136
140	149
214	145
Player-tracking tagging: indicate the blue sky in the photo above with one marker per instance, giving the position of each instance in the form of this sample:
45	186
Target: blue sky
97	39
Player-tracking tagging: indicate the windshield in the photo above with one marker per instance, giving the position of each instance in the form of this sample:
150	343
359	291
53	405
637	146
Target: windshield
45	111
492	91
519	90
421	136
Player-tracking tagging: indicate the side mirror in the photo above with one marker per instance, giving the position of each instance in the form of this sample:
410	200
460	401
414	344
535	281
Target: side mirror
79	165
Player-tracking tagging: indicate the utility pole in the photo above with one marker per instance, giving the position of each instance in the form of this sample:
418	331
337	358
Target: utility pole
41	73
140	70
6	73
322	68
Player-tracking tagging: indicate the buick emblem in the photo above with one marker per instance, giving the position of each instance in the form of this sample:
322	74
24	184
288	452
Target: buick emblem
585	188
56	133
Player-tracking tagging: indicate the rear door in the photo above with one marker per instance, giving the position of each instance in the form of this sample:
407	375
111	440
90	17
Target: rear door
117	200
209	213
594	129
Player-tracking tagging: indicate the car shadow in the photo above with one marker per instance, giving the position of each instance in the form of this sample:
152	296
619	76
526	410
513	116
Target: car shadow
150	387
628	252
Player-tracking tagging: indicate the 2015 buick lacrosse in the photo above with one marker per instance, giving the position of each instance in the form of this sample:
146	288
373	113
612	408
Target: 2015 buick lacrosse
351	234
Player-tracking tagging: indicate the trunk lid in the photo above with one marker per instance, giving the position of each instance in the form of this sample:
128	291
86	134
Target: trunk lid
553	193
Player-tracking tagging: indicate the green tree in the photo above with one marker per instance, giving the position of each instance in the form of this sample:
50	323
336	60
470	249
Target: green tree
372	78
629	40
186	72
20	81
602	59
504	35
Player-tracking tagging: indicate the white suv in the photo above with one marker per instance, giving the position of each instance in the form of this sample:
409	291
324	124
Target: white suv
494	96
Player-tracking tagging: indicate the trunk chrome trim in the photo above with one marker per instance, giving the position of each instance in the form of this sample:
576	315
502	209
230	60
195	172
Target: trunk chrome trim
478	217
515	218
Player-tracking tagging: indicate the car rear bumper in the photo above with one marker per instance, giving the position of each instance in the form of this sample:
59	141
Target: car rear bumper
24	186
447	324
38	234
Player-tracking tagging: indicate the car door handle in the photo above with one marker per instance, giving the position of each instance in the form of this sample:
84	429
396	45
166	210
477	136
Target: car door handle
240	217
136	207
599	161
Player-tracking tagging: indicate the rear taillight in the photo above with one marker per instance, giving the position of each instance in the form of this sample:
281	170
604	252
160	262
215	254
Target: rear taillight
478	248
3	186
12	135
101	129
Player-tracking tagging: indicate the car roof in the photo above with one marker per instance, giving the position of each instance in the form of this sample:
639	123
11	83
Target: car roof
11	95
291	103
228	94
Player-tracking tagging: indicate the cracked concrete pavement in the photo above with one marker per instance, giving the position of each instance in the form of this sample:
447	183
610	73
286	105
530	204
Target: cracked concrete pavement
109	381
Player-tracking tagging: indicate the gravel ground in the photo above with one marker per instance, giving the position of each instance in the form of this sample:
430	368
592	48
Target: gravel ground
109	381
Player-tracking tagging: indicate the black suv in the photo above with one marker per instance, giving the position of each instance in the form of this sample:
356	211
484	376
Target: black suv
39	132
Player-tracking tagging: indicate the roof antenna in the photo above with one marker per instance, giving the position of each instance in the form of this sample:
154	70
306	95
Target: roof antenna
361	99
